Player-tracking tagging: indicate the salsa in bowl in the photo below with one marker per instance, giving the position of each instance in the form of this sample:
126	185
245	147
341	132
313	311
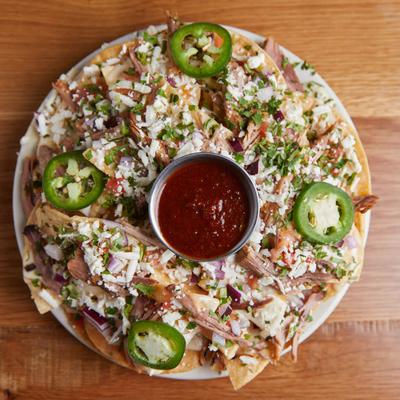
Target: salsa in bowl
203	206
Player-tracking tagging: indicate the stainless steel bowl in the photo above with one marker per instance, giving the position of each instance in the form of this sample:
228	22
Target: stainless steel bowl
161	180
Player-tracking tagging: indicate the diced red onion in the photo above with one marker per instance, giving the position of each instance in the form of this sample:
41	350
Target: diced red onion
228	311
125	161
217	264
171	81
236	145
339	244
224	310
194	278
114	265
350	242
252	168
219	273
111	122
60	278
53	251
98	321
233	293
218	339
111	224
235	327
90	122
278	116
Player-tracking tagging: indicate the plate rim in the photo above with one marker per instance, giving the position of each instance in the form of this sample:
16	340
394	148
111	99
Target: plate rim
324	310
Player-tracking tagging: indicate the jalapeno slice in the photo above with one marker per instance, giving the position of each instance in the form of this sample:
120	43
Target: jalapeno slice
201	49
70	182
323	213
155	344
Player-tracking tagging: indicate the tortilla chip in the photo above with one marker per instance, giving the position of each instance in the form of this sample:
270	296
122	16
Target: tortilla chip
190	360
241	374
239	43
110	351
111	52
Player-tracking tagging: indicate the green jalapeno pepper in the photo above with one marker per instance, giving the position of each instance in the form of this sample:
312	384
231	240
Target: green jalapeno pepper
70	182
201	49
323	213
155	344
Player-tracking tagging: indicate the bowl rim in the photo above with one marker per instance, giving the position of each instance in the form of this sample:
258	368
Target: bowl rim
180	162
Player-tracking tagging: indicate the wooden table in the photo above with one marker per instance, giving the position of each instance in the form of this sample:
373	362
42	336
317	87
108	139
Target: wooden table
355	46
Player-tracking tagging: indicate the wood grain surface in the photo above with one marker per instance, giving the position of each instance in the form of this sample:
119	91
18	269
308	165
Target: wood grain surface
354	44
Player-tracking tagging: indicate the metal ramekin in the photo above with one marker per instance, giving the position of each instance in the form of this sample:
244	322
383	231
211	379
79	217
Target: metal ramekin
159	185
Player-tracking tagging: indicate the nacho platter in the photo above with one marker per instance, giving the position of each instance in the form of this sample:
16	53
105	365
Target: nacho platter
253	364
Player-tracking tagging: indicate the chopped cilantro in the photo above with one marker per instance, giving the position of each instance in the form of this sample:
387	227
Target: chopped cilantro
150	38
188	264
124	128
36	282
239	158
111	310
137	108
162	93
273	105
142	251
145	289
257	118
130	71
173	98
285	62
306	66
191	325
169	133
127	310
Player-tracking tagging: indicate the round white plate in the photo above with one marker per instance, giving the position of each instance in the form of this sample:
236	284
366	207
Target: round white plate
28	146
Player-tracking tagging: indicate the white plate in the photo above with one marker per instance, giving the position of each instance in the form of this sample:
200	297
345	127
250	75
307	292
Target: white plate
28	146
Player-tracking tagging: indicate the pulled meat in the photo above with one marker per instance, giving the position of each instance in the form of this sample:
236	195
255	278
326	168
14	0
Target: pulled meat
140	235
162	156
173	22
65	93
211	358
252	134
312	277
311	301
291	78
286	237
219	140
364	203
42	261
144	308
44	155
210	323
232	116
277	344
77	266
29	196
139	68
214	101
252	261
137	133
257	304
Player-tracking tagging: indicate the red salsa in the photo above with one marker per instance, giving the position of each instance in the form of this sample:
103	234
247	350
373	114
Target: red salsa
203	210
